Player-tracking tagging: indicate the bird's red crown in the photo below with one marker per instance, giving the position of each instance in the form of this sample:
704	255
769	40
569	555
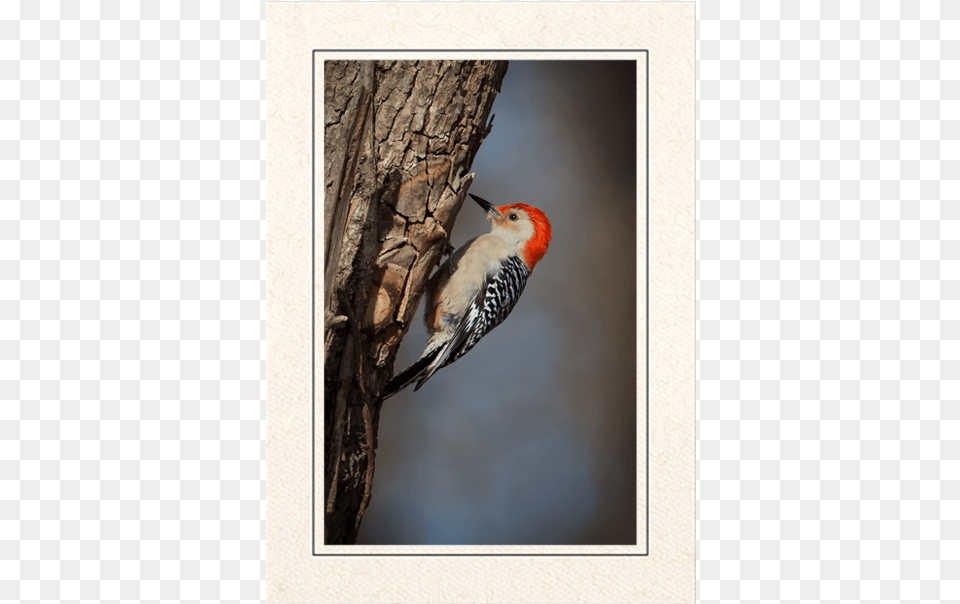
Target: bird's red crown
536	246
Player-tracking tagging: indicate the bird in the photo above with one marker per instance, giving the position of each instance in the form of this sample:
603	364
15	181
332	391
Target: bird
477	287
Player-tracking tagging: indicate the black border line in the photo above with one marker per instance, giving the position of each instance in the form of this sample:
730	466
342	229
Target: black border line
313	291
646	278
313	304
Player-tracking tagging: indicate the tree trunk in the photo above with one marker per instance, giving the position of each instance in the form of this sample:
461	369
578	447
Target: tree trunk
399	140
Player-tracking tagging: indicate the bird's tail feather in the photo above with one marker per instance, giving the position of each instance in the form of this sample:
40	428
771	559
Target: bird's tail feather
409	375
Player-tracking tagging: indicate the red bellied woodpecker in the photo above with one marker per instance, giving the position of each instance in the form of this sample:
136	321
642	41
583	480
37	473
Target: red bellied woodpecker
477	287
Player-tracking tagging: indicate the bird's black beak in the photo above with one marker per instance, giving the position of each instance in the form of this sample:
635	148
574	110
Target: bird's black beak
488	207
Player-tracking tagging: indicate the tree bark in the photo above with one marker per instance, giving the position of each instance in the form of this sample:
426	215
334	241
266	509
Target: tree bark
399	140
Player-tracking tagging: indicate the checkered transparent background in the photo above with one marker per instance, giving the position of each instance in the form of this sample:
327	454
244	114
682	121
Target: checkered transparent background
132	288
828	301
132	291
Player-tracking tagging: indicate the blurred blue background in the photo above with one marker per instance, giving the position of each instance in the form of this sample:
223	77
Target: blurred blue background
530	439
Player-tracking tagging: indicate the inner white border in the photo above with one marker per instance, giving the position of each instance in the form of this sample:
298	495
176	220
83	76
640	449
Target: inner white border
641	56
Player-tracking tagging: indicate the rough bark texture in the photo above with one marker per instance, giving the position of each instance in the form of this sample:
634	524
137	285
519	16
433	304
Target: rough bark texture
399	140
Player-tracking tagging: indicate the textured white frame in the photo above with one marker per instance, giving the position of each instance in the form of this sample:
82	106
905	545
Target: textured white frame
660	36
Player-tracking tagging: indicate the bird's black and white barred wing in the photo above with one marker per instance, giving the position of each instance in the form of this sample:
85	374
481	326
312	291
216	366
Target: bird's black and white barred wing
500	296
495	299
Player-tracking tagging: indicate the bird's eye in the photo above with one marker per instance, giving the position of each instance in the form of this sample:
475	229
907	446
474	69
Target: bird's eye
513	216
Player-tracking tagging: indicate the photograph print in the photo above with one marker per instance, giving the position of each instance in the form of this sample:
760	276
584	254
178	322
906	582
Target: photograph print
479	302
